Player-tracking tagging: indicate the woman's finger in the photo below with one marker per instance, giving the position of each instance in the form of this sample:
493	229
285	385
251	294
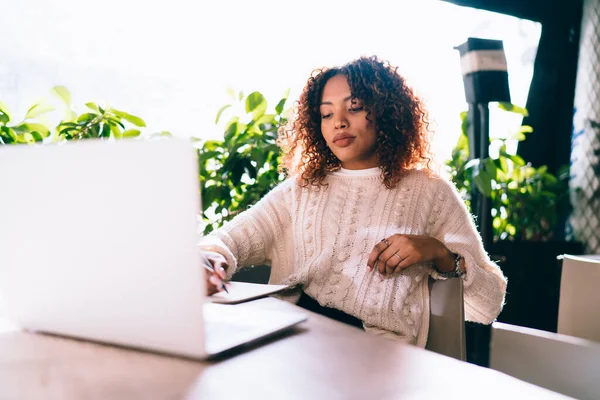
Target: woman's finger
219	264
220	271
392	263
376	252
211	288
389	259
405	263
215	282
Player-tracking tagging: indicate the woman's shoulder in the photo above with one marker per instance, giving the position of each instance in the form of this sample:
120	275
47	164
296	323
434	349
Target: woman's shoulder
430	180
428	177
289	187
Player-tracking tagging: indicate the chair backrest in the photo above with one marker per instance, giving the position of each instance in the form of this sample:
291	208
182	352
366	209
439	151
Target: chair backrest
560	363
447	318
579	303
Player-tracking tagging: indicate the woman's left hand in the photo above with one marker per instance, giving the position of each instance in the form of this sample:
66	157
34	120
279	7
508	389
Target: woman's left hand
397	252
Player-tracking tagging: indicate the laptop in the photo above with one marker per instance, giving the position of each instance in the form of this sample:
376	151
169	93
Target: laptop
98	241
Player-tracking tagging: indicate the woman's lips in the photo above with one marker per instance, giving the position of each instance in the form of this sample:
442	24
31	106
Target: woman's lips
344	141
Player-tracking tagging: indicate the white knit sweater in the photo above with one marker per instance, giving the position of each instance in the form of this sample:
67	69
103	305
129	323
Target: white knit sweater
319	239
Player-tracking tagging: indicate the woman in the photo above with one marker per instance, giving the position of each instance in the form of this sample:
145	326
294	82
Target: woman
362	222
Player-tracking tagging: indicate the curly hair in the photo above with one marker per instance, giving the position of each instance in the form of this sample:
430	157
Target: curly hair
401	119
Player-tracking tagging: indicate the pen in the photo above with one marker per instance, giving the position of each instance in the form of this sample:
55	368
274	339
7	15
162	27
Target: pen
209	267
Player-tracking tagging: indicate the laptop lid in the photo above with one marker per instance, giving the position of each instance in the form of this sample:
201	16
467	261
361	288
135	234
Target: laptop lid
80	222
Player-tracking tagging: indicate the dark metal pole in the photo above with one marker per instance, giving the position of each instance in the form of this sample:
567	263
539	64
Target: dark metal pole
485	207
474	152
479	147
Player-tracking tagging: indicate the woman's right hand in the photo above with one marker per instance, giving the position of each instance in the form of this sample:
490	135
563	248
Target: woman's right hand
214	280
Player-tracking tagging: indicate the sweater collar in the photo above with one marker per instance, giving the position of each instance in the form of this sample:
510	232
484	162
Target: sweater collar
376	171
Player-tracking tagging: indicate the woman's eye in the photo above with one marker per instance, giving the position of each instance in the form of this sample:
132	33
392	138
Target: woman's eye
326	116
355	109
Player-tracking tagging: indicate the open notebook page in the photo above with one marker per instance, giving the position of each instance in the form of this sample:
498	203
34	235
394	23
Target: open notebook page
243	291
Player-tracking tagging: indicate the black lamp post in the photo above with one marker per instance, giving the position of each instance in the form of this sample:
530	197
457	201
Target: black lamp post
485	76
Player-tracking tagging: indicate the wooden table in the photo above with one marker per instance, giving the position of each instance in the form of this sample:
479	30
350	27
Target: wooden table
320	359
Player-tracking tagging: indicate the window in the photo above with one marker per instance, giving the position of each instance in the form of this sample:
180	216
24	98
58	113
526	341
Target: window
171	63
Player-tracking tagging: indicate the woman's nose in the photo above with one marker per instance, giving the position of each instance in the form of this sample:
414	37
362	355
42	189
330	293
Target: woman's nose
341	123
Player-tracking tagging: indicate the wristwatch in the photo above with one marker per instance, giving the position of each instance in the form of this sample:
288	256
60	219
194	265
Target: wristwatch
457	272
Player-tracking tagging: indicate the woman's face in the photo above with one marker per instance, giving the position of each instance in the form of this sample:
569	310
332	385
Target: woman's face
348	133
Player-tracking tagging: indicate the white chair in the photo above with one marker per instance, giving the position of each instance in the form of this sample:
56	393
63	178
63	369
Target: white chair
579	302
447	318
563	364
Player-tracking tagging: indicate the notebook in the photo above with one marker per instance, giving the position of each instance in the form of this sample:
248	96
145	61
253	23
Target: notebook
243	291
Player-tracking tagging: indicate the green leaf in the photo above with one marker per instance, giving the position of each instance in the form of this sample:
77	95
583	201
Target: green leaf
209	194
503	163
254	101
548	194
38	109
12	134
550	179
116	131
105	133
20	129
62	93
93	107
86	117
232	129
93	131
225	107
131	133
526	129
37	137
43	130
518	160
115	122
520	136
231	93
137	121
483	182
3	118
266	119
279	107
490	167
513	108
5	114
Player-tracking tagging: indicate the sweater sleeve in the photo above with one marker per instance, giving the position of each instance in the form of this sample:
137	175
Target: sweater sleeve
249	238
484	282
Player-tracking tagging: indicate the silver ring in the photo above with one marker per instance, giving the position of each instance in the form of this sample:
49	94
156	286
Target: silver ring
384	240
400	258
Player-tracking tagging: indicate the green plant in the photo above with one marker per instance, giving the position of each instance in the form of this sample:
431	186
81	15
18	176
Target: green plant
96	122
240	169
525	200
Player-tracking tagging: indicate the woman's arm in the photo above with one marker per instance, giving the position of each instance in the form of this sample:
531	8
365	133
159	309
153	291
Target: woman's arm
484	283
248	239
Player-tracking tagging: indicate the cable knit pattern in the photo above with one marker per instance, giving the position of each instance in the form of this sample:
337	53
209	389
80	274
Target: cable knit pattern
318	239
